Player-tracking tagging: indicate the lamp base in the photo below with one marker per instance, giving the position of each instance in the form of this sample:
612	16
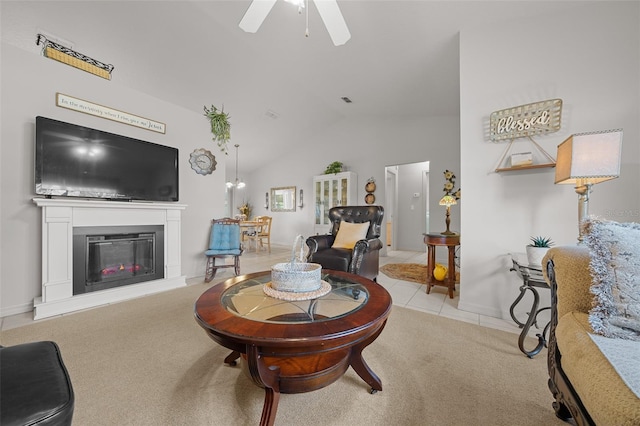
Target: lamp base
448	221
583	208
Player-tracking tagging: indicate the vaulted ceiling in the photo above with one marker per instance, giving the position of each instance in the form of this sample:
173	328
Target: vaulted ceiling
278	85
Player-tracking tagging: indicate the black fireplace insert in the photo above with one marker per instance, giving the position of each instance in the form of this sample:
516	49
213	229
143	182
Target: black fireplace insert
112	256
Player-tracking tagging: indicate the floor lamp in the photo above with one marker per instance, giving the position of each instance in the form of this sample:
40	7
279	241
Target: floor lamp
585	159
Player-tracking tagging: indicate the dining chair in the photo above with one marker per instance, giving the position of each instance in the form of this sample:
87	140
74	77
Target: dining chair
262	232
248	229
224	242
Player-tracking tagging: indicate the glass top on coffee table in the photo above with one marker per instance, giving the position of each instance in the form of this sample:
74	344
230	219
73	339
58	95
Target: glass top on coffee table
247	299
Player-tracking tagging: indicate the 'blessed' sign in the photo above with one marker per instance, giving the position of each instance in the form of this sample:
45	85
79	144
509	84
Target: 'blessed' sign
526	120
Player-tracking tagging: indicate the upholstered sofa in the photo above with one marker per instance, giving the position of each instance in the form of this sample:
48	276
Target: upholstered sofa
584	382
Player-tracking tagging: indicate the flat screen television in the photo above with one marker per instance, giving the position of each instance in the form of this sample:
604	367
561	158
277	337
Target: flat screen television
77	161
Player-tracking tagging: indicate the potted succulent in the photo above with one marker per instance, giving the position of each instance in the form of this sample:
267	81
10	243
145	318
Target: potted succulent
537	249
220	126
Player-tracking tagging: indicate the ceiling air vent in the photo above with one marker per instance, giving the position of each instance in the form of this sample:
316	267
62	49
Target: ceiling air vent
271	114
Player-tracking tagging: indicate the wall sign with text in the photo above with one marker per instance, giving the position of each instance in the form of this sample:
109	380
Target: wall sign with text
80	105
523	121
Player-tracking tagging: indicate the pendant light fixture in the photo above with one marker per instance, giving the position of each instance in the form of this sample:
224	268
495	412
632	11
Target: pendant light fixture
238	183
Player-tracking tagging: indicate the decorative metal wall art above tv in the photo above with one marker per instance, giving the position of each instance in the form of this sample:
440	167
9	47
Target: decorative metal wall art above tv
77	161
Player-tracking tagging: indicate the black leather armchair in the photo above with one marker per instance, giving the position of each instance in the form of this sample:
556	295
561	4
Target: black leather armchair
364	258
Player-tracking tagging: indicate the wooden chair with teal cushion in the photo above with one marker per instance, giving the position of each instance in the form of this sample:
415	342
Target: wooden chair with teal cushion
224	242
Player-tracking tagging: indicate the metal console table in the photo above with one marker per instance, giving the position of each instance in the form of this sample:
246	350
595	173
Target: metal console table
532	278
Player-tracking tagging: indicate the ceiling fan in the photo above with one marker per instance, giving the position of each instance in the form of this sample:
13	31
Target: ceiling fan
328	9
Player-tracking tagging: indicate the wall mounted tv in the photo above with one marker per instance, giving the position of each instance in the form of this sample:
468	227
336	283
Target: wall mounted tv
76	161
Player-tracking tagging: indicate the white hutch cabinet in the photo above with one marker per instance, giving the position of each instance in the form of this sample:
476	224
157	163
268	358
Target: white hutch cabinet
339	189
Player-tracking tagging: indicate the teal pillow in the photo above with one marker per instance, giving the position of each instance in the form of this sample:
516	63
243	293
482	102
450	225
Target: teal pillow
224	237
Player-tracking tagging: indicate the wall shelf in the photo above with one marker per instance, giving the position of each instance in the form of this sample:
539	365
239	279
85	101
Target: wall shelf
529	167
501	166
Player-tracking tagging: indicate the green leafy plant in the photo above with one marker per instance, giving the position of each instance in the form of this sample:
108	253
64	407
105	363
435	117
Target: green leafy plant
541	242
220	126
335	167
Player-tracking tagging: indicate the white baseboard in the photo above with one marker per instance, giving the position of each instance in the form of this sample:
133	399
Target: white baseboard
15	310
104	297
480	309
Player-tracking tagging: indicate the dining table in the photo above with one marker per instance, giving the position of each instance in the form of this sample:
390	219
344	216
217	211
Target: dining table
249	227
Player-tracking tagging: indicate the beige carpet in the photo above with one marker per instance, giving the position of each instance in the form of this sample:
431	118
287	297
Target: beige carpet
415	272
147	362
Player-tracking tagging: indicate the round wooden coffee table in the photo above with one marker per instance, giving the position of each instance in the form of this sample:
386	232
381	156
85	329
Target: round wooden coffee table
295	346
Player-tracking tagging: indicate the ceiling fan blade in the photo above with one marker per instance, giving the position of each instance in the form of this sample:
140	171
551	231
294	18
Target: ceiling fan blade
334	21
255	15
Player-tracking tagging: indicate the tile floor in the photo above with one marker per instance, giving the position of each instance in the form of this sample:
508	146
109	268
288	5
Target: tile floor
404	293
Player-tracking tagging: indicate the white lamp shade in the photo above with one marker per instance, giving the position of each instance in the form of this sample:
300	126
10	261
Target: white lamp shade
589	158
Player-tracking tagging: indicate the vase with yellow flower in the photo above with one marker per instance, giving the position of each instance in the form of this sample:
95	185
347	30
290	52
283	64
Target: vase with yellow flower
245	210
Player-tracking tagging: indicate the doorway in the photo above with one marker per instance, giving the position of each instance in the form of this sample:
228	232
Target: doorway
407	206
391	202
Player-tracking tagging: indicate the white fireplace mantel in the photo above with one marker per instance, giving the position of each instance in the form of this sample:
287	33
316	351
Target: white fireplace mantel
60	216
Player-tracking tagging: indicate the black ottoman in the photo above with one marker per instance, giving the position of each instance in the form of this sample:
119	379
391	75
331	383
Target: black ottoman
35	388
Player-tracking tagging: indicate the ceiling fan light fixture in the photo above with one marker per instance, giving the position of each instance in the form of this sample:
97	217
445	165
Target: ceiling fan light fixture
328	9
256	14
334	21
299	3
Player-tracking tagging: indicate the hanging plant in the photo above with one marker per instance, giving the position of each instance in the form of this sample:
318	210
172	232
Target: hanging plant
220	126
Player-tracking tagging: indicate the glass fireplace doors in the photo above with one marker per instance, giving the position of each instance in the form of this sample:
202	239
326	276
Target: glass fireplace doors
106	257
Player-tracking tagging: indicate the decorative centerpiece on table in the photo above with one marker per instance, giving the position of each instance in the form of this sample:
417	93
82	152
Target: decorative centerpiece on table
245	209
296	280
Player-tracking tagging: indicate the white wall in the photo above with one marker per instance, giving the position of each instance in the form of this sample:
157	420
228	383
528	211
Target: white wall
590	58
365	146
28	84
